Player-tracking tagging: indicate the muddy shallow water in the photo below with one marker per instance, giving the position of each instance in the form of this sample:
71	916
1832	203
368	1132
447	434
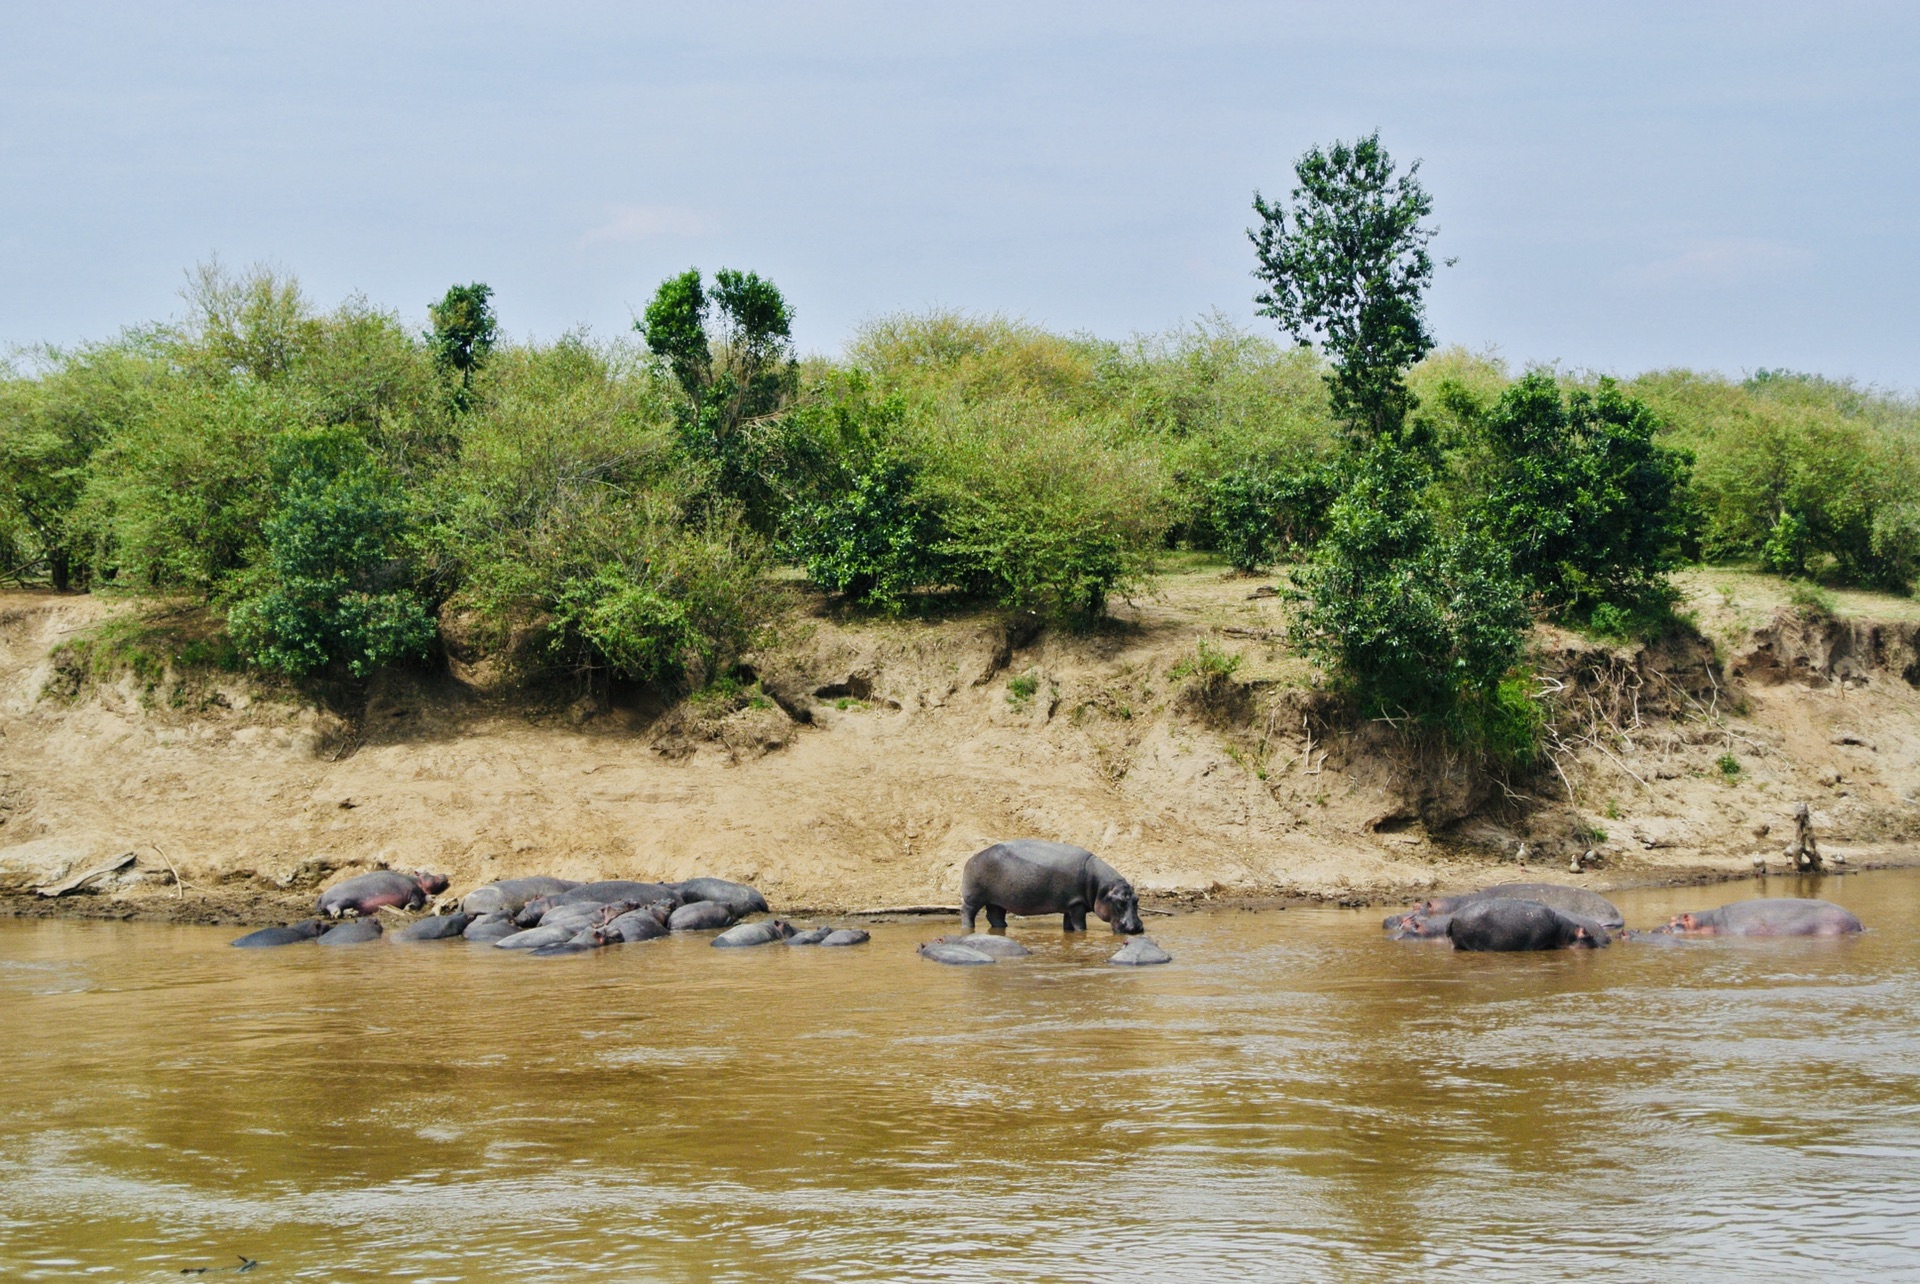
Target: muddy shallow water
1293	1097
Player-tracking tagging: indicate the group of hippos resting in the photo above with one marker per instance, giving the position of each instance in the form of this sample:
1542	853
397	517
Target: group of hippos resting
548	917
1550	916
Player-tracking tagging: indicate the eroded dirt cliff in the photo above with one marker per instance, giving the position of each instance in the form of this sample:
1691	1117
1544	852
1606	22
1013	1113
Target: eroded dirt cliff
873	757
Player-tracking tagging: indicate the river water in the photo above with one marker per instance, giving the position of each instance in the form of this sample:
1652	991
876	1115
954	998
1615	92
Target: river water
1294	1097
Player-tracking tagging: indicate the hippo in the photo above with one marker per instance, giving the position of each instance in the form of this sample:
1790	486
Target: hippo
1502	924
578	943
358	932
532	938
367	893
441	927
589	914
490	927
753	934
306	929
619	889
1028	876
812	936
1568	900
1768	916
1419	926
999	947
633	926
740	898
508	895
954	955
701	916
1140	952
847	936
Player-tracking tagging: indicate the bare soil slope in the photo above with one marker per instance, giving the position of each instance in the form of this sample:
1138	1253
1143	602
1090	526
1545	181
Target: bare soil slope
878	756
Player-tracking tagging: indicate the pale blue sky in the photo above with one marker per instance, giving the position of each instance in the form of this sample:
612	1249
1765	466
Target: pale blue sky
1625	186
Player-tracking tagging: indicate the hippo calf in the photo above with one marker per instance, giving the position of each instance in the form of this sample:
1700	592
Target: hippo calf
306	929
1140	952
747	934
953	955
1028	876
1418	926
366	893
441	927
508	895
358	932
1503	925
999	947
1768	916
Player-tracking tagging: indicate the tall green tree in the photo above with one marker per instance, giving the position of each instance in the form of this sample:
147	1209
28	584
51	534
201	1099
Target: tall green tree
463	334
731	351
1414	620
1345	265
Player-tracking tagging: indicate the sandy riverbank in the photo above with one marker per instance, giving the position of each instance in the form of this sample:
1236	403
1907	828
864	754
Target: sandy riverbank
876	756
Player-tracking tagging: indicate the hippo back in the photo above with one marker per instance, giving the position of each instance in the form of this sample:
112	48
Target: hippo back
508	895
1030	876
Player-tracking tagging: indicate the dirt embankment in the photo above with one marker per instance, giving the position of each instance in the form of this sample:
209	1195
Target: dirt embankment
873	758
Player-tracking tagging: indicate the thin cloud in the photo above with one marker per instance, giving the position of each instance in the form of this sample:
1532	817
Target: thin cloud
631	224
1723	262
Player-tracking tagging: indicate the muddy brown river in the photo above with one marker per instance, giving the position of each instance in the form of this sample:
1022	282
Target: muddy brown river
1294	1097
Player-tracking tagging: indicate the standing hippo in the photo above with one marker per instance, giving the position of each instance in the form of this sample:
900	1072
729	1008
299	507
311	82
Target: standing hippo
1504	925
508	895
1768	916
1028	876
292	934
368	893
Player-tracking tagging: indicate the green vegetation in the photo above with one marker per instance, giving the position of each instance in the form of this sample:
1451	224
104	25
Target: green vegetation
336	490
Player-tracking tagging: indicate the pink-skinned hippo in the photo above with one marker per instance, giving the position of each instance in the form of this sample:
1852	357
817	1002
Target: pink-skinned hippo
368	893
1768	916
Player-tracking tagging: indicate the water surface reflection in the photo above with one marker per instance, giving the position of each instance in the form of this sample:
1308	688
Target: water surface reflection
1295	1096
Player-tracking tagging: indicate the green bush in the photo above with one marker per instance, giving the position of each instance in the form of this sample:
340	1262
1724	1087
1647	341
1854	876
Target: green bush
1258	515
1589	507
330	589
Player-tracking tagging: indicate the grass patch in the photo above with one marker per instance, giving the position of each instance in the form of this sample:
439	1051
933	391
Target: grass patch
170	654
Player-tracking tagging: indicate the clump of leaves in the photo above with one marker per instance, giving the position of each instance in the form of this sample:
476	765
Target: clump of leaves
1021	689
1729	767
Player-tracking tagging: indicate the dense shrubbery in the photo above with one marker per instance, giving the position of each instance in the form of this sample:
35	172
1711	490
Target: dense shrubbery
334	483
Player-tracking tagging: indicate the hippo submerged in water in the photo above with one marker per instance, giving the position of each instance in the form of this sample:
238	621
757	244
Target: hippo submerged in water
1028	876
307	929
1577	901
383	888
1500	924
1767	916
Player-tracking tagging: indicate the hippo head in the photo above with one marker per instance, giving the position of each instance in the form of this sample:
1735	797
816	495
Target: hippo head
431	884
1118	906
1688	922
